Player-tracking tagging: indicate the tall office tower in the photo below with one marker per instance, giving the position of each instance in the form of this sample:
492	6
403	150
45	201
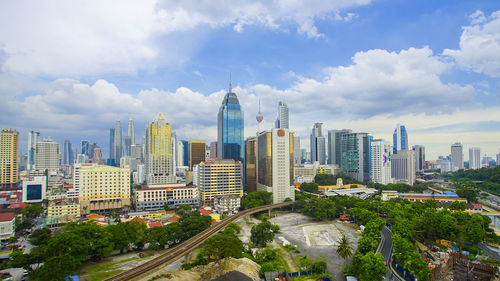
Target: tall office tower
136	152
97	155
86	148
318	145
33	138
250	166
197	151
111	159
474	158
498	159
213	149
173	143
159	164
185	145
282	121
117	142
303	155
218	177
296	151
355	161
67	154
335	145
457	157
103	188
275	164
9	165
400	139
403	167
180	153
131	131
230	125
419	157
47	155
127	142
381	152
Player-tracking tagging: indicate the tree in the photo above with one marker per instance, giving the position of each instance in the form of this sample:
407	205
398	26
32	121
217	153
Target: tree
256	199
40	237
262	233
31	211
344	249
120	236
319	266
458	206
232	228
320	208
311	187
194	223
474	229
469	193
221	246
21	225
372	267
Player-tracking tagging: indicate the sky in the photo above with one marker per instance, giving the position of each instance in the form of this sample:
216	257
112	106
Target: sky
70	69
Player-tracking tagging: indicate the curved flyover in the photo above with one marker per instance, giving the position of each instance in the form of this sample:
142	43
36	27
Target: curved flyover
188	245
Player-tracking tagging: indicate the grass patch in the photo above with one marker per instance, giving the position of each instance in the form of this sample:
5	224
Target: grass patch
312	277
104	266
98	276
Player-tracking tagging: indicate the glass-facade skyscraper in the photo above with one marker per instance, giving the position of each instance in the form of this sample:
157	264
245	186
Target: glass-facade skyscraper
400	139
230	127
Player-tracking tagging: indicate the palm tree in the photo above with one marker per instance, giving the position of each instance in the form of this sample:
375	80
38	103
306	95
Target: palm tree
344	249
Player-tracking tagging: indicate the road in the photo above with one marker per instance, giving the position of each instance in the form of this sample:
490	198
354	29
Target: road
188	245
386	250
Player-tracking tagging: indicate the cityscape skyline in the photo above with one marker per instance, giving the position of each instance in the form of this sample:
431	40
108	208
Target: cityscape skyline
430	81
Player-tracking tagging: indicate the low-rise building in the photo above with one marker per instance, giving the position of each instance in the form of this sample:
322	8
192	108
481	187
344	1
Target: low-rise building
307	172
63	209
446	197
362	193
6	225
34	189
389	194
227	204
155	197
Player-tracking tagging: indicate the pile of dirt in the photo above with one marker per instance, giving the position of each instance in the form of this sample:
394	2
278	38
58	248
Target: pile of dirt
211	271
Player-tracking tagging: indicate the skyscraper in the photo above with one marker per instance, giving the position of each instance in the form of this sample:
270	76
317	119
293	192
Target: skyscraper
117	142
403	167
213	149
457	157
230	126
356	159
185	156
47	155
381	152
275	163
180	153
334	146
9	165
97	155
318	145
296	151
282	120
400	139
250	167
474	158
86	148
129	140
197	149
32	141
67	155
159	163
419	157
111	159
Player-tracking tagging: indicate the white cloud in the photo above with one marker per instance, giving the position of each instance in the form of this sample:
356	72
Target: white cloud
479	45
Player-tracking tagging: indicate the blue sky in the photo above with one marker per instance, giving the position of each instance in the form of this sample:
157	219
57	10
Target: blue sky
70	69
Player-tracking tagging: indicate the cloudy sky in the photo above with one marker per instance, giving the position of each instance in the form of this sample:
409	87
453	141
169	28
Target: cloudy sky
70	69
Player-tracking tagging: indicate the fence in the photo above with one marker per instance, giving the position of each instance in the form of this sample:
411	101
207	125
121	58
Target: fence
283	275
405	273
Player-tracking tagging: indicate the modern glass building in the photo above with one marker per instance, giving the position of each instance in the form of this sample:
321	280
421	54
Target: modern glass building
400	139
230	125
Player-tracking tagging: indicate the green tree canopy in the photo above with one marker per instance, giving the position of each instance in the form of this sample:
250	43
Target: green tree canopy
262	233
256	199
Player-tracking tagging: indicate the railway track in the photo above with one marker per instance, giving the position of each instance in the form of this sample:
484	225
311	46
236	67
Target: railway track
188	245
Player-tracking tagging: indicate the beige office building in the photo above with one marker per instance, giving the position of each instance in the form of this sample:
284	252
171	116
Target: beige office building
9	166
197	152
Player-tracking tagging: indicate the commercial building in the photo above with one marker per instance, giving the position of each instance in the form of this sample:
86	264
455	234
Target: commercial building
103	188
9	165
457	157
282	121
403	167
227	204
419	157
230	128
159	162
67	154
62	209
307	172
361	192
218	177
117	143
296	151
47	156
97	155
317	145
197	152
355	150
335	146
275	164
129	140
111	159
250	164
381	153
446	197
33	138
34	189
474	158
6	225
400	139
155	197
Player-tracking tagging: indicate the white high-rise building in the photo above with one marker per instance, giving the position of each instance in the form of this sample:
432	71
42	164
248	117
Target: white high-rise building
47	155
403	167
180	153
282	121
296	151
33	138
457	157
474	158
75	191
381	161
318	152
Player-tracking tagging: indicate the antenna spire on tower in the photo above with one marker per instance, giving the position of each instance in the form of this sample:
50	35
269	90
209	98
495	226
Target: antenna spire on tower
230	86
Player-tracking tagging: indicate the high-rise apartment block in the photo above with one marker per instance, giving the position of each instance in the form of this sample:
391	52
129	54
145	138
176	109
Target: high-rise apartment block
33	138
155	197
457	157
67	155
381	153
335	146
296	151
9	165
104	188
355	160
197	152
218	177
230	129
250	164
282	121
403	167
275	164
159	163
400	139
474	158
213	149
419	157
47	156
318	145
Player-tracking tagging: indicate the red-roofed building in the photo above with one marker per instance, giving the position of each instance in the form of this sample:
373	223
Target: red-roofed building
154	224
18	206
6	225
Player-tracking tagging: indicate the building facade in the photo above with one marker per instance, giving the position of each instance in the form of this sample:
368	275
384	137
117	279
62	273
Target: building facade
474	158
155	197
7	225
250	164
297	156
419	157
282	122
355	151
457	156
317	145
67	155
400	139
227	204
381	153
33	138
34	189
335	146
47	156
9	165
230	129
197	152
159	162
403	167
